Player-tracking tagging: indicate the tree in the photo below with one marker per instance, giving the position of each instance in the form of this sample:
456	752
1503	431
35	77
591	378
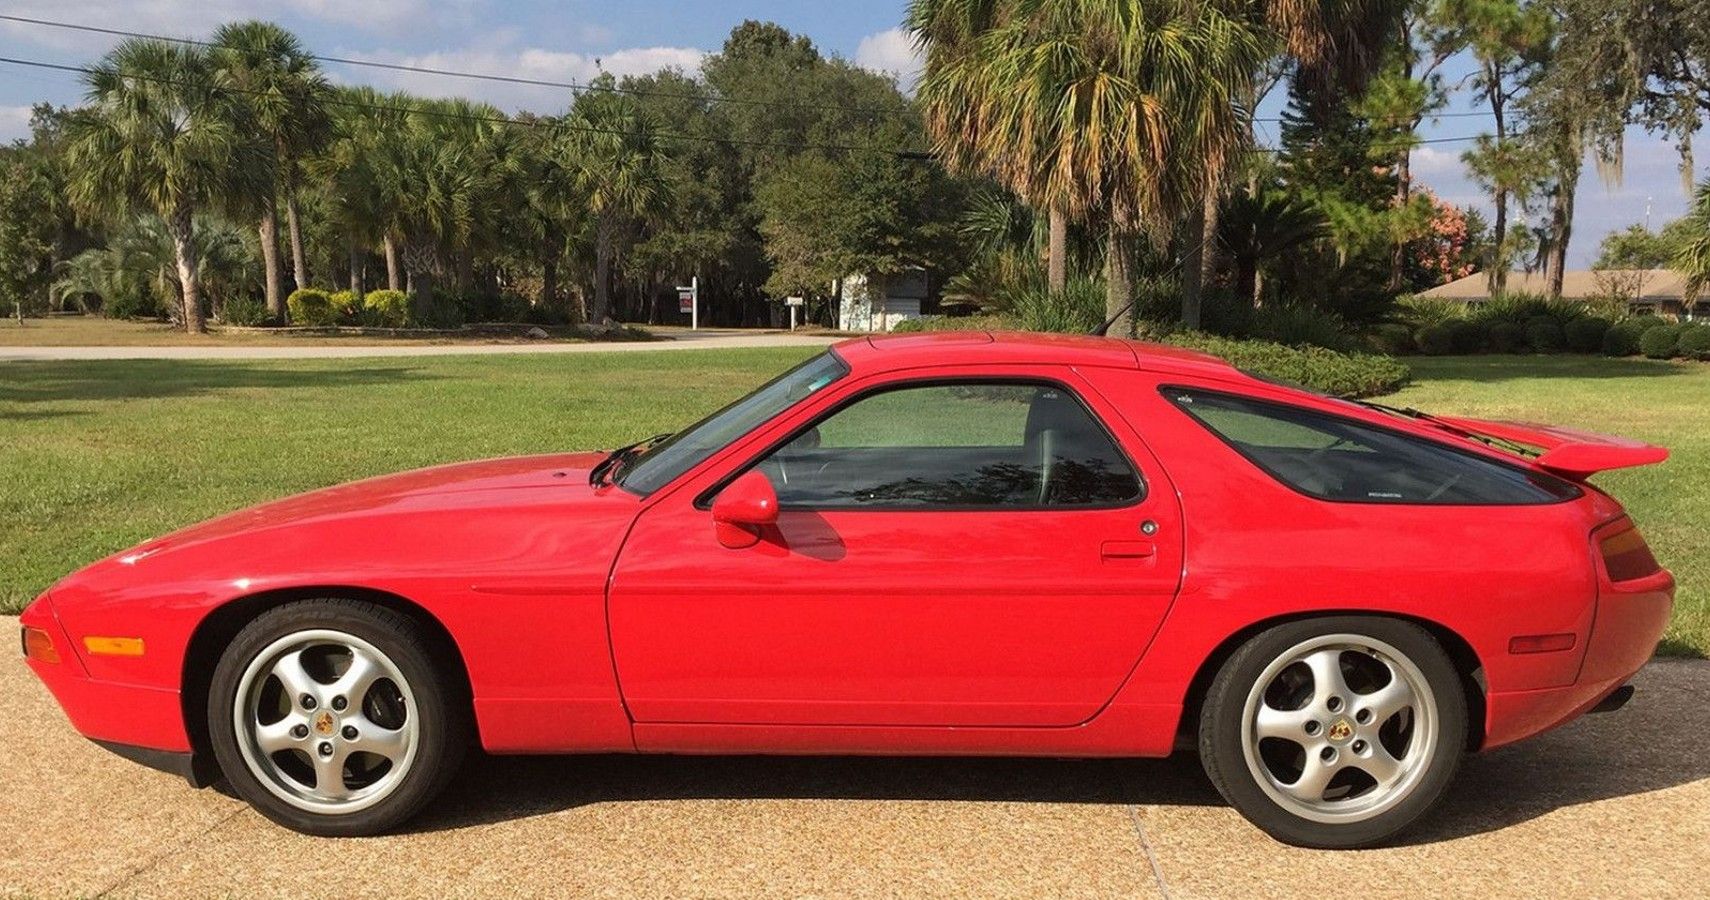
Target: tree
162	134
427	181
28	233
1637	247
1119	113
1692	252
620	169
1267	223
283	93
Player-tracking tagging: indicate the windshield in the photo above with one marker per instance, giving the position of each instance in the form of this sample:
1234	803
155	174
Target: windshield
679	453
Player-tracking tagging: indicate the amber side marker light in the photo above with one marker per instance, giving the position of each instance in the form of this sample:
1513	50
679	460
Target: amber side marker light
39	646
113	646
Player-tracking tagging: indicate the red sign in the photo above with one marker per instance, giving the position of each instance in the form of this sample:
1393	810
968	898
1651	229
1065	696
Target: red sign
685	301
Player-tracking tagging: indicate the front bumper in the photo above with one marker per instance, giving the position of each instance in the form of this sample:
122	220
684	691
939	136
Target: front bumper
107	712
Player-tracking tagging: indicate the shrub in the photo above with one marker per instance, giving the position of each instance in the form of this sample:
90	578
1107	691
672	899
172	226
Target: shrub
245	312
1296	326
1660	341
443	313
1695	342
1466	336
1393	338
1076	309
1545	335
1585	334
1315	368
1622	338
1437	340
908	326
1520	308
387	309
311	306
347	306
1425	311
1506	337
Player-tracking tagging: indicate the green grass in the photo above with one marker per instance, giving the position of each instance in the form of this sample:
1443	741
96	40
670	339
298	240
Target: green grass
98	456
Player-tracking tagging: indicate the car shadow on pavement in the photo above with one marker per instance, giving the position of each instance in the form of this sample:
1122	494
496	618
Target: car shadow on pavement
1651	745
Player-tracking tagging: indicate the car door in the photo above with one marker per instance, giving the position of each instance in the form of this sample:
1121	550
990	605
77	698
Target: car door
990	548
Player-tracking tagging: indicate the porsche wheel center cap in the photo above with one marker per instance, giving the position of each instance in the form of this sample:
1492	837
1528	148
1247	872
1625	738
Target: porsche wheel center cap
1340	730
325	723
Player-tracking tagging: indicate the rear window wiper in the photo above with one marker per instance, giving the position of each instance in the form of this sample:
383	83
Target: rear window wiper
1408	412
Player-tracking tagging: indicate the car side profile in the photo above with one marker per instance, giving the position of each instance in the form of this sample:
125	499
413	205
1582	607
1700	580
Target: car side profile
951	544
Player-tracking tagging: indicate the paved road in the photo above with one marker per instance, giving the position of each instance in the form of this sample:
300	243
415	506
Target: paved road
679	339
1616	805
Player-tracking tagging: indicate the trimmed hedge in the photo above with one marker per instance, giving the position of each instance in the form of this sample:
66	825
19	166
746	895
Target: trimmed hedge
1694	342
1585	334
1393	338
311	306
1315	368
1545	336
1507	337
1437	340
1660	341
390	309
1622	338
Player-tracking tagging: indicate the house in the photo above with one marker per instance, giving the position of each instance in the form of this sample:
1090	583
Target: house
879	302
1657	291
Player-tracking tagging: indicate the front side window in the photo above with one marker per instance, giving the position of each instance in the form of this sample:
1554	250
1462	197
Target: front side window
1333	458
682	451
967	445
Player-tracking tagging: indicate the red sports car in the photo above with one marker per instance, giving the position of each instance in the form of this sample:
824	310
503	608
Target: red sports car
969	544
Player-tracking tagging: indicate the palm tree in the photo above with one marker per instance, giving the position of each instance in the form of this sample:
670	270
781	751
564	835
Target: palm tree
427	181
1692	253
1263	225
160	134
281	87
1119	112
620	170
350	171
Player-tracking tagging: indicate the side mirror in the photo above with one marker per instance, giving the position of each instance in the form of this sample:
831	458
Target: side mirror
743	508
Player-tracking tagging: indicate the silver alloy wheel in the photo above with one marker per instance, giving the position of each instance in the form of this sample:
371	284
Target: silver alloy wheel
326	721
1339	728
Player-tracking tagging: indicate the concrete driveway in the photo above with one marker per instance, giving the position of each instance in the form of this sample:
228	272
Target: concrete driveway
1616	805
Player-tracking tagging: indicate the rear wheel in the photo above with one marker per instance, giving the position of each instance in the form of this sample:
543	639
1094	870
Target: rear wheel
1335	732
331	718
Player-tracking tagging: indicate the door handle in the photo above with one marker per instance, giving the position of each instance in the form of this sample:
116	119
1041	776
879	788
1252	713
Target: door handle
1128	549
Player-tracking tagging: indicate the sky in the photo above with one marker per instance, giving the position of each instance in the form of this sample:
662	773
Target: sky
572	40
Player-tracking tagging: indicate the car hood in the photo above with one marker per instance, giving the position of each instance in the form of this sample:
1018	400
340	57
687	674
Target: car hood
563	475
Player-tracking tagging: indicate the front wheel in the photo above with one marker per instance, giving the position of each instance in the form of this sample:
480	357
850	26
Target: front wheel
1336	732
331	717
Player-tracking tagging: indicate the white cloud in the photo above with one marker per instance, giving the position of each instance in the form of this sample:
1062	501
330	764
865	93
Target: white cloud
197	18
498	58
892	52
14	123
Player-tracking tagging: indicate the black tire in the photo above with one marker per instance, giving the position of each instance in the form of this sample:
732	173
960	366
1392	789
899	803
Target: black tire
441	721
1223	733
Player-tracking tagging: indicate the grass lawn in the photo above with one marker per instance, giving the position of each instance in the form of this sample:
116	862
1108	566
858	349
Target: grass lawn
100	455
94	331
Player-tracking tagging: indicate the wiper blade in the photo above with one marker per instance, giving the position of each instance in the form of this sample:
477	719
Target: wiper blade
1408	412
606	471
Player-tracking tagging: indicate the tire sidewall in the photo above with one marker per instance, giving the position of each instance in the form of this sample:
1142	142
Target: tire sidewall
1222	731
441	722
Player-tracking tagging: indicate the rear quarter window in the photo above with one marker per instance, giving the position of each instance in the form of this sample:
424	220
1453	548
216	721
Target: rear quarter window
1339	459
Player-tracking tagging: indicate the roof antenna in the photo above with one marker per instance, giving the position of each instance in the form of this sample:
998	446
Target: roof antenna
1103	330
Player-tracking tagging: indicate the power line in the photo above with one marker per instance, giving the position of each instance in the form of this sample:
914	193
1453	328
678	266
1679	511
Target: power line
914	155
504	120
453	73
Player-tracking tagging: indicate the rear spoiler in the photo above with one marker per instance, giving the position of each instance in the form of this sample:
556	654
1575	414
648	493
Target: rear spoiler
1566	451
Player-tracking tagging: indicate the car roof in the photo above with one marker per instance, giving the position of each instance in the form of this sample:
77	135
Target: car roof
941	348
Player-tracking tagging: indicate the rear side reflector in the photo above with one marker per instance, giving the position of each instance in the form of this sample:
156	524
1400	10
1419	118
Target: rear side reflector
1626	556
113	646
39	646
1541	643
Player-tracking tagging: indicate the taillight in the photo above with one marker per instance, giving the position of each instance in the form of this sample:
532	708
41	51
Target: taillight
1626	556
38	645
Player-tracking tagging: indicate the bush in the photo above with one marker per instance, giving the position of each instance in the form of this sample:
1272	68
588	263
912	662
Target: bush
1545	335
1660	341
443	313
311	307
1506	337
1585	334
1315	368
1077	309
347	306
1695	342
1421	312
1393	338
1622	338
1437	340
1521	308
386	309
245	312
1467	336
1299	325
909	326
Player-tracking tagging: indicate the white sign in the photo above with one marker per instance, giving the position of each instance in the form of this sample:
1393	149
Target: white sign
794	301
